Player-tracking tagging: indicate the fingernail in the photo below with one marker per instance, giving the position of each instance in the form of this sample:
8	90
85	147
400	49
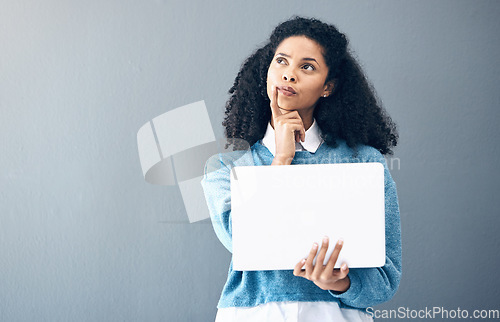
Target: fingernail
344	267
303	261
325	239
315	245
341	241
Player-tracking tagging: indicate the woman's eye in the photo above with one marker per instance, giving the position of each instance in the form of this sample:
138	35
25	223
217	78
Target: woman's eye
309	65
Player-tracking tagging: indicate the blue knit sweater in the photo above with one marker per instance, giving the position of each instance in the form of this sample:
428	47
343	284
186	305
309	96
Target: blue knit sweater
369	286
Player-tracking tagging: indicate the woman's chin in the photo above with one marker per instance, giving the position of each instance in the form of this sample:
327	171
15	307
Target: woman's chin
287	106
286	109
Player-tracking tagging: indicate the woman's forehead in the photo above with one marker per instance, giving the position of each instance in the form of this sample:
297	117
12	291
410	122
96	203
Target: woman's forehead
300	46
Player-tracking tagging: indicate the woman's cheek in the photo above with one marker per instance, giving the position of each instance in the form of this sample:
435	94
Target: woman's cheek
269	87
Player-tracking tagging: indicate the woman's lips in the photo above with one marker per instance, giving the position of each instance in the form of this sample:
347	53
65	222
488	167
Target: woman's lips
286	92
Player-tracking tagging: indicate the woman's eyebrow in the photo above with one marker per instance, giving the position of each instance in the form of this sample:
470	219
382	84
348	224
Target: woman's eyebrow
305	58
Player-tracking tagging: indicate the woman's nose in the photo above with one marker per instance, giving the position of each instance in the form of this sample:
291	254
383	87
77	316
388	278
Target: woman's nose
288	76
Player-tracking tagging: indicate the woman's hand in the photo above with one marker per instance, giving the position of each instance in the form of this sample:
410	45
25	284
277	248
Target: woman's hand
324	276
288	129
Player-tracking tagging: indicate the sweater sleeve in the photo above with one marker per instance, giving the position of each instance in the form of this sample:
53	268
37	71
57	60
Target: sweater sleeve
372	286
217	190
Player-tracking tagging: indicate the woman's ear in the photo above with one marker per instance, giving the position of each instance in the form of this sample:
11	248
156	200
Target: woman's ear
329	87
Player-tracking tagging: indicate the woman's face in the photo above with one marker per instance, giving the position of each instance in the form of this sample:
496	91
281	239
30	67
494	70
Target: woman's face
298	65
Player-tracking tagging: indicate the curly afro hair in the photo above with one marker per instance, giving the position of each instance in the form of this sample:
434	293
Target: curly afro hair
352	112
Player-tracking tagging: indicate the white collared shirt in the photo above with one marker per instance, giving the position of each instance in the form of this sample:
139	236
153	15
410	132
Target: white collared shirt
292	311
311	142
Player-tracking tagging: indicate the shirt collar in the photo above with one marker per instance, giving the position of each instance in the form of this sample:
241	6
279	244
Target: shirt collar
311	143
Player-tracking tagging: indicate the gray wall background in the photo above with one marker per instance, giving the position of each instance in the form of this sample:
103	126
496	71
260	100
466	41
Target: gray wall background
84	238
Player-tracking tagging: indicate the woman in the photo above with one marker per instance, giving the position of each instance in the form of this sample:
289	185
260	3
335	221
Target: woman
302	98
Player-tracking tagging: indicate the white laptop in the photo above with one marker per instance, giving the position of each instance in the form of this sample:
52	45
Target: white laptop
278	212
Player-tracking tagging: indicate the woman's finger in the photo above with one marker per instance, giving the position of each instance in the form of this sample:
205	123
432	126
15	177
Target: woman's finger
335	255
300	132
322	252
319	267
344	270
292	127
275	110
309	260
295	117
297	271
292	115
